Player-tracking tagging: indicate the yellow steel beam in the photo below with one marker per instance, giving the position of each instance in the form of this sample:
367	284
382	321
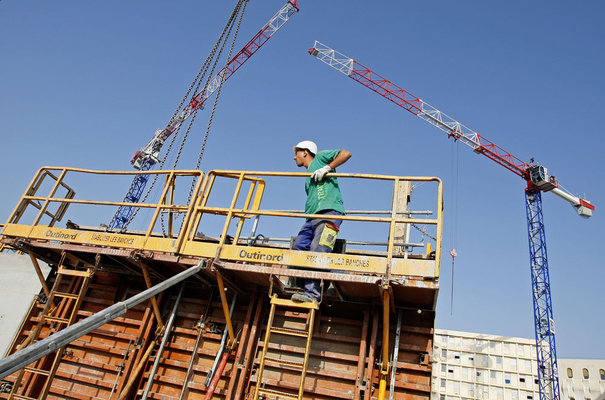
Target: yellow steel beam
272	213
158	206
154	302
301	387
39	273
19	209
289	303
187	225
172	184
47	201
175	208
439	228
392	223
235	174
384	369
252	255
256	187
221	290
223	237
259	374
195	216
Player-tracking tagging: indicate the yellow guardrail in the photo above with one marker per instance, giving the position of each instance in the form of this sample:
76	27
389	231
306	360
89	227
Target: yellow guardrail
244	204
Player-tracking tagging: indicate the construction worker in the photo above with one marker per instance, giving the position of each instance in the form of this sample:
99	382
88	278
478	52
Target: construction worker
323	197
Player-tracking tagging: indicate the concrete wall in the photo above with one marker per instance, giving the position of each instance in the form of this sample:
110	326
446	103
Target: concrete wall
19	285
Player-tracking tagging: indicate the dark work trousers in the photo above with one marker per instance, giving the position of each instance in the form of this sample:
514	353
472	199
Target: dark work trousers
308	239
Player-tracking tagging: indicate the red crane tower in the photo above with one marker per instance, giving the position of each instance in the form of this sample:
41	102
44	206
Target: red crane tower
536	176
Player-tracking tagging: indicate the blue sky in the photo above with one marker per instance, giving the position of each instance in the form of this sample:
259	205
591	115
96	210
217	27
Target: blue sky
86	84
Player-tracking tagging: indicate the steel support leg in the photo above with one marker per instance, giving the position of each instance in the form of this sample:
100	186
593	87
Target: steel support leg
548	375
167	333
384	369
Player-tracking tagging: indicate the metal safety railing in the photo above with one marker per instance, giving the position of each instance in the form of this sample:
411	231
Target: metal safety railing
255	194
32	198
243	204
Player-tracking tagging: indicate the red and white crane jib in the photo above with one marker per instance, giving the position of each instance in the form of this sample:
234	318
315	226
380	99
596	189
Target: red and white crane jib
152	149
276	22
535	175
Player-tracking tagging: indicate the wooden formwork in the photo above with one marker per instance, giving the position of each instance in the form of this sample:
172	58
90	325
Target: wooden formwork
93	366
110	362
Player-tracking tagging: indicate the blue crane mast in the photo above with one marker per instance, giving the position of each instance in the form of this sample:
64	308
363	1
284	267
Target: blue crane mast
538	181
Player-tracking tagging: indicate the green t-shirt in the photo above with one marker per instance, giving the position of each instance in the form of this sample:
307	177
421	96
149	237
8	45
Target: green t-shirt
325	194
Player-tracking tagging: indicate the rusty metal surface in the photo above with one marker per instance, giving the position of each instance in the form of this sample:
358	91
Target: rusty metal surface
251	269
95	365
346	339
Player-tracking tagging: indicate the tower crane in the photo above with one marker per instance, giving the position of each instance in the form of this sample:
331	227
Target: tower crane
148	156
538	181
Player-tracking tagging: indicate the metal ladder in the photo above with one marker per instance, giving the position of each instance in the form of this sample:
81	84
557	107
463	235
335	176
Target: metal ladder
39	375
311	307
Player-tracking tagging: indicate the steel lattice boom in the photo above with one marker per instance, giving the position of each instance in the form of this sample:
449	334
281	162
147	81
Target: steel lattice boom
537	180
537	175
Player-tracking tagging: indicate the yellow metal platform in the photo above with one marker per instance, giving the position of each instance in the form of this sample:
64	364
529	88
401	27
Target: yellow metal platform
387	269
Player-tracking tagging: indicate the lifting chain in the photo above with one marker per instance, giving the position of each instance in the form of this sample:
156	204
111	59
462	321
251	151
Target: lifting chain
195	84
222	38
199	160
424	233
222	41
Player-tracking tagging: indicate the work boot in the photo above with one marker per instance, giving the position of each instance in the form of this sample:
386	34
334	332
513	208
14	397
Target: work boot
302	298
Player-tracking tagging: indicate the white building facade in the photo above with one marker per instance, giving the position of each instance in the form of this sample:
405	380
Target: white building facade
582	379
481	366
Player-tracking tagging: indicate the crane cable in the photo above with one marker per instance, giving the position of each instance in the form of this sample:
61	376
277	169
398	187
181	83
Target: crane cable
454	215
211	74
419	229
201	154
194	84
218	92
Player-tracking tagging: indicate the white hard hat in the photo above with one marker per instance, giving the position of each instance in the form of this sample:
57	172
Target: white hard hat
306	145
